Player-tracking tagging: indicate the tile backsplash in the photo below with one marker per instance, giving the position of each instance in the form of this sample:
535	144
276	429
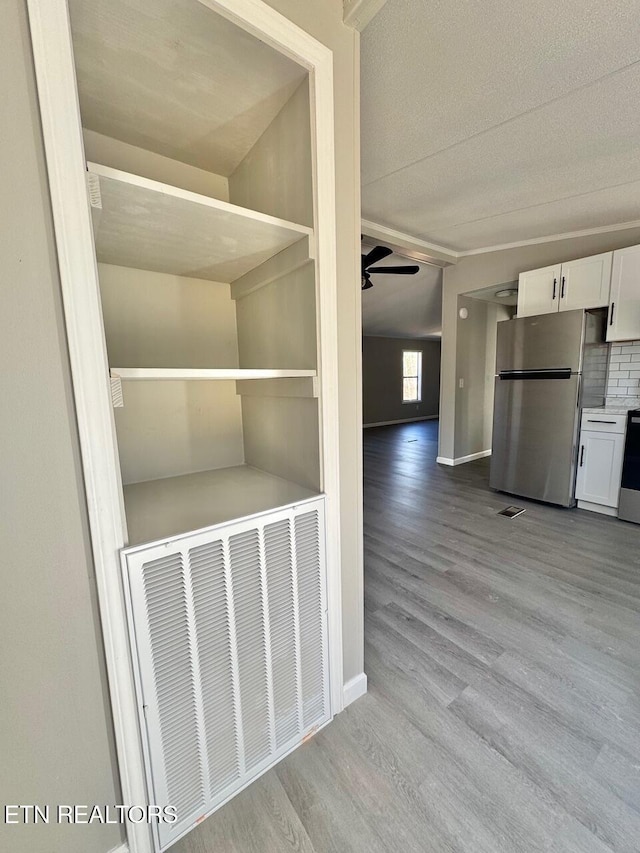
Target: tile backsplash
624	370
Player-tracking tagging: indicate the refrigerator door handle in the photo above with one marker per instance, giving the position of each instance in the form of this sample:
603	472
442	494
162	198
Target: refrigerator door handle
545	373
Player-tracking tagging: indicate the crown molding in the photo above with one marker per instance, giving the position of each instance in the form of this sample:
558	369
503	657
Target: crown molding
408	246
568	235
441	256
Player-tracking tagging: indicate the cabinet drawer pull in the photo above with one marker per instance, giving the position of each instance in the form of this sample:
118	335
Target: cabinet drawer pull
591	421
555	282
562	291
613	308
582	456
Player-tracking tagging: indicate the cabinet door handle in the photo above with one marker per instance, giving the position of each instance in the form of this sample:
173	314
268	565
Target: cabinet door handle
582	456
555	282
613	308
562	291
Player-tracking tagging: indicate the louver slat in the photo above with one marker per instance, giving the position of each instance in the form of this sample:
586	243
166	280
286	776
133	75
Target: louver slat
210	602
244	551
279	560
311	604
228	631
166	605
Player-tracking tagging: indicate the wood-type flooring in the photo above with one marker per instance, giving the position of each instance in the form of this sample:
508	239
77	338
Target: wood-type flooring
503	658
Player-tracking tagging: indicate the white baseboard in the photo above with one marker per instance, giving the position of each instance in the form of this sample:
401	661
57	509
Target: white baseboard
402	421
354	689
445	460
603	510
121	848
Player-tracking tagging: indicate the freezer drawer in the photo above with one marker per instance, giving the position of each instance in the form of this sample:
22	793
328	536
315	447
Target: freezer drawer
535	438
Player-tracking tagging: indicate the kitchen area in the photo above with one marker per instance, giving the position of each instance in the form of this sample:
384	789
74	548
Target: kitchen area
566	425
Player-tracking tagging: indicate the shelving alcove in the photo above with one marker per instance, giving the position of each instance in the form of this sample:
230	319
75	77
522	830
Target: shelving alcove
195	223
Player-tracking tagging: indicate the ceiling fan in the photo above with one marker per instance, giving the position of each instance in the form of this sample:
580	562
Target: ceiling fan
375	255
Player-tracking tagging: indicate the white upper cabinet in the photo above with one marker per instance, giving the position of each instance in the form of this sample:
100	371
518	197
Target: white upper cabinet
538	291
624	310
564	287
585	283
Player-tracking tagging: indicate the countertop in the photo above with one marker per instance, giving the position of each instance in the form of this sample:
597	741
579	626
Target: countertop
609	410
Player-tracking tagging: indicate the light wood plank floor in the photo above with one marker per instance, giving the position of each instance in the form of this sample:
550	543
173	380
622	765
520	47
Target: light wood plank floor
503	656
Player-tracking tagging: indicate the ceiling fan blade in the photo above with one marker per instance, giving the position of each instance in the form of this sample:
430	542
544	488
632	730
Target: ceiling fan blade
410	270
366	282
375	255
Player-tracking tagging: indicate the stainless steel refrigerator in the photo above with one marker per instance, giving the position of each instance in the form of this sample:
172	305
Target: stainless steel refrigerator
547	368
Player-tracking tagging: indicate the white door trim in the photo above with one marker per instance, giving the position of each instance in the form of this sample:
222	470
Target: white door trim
62	132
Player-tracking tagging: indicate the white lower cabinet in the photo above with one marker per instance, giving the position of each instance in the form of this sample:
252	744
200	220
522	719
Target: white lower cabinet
600	463
228	636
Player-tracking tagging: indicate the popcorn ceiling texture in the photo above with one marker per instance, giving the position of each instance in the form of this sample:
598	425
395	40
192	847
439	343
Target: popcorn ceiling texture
624	372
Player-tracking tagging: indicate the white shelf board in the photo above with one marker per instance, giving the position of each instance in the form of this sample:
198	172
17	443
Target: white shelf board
158	509
148	225
182	373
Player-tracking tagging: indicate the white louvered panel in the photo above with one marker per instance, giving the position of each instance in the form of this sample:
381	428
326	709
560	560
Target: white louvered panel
167	683
244	553
311	601
213	632
228	630
283	629
173	672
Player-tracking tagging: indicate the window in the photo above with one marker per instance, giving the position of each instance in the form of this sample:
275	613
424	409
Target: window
411	376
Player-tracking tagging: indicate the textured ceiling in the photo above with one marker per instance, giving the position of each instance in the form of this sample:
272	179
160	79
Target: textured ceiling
176	78
403	306
492	122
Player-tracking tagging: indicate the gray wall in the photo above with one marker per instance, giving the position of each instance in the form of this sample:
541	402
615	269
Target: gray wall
475	366
382	379
476	272
55	726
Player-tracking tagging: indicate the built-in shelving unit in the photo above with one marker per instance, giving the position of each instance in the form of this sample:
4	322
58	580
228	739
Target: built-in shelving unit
190	156
209	303
149	225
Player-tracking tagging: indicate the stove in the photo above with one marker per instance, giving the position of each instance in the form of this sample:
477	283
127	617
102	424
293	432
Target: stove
629	509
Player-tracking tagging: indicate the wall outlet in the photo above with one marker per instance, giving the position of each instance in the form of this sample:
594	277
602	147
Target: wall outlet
460	383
